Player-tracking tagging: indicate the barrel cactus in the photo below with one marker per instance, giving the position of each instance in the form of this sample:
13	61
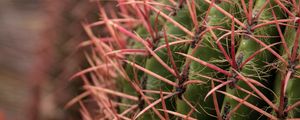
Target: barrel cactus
192	59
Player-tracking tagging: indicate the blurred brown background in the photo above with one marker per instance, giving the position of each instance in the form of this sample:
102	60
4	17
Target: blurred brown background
38	40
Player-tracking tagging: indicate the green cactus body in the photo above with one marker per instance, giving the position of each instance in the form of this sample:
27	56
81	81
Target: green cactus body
182	17
292	88
125	85
218	66
293	96
254	69
208	51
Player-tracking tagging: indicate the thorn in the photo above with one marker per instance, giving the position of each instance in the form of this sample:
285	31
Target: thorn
232	84
239	60
227	108
143	83
177	8
232	78
197	36
285	114
292	66
180	5
155	40
285	102
185	74
252	23
183	78
297	20
180	90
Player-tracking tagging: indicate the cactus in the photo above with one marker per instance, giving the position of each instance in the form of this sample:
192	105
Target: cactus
194	59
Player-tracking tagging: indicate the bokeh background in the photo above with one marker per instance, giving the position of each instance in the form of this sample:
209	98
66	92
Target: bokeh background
38	53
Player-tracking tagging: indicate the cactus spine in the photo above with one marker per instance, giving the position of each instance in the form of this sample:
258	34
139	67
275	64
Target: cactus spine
202	59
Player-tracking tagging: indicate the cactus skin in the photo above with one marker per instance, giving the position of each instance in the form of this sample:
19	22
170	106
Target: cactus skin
125	85
292	93
293	96
248	47
208	50
153	65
